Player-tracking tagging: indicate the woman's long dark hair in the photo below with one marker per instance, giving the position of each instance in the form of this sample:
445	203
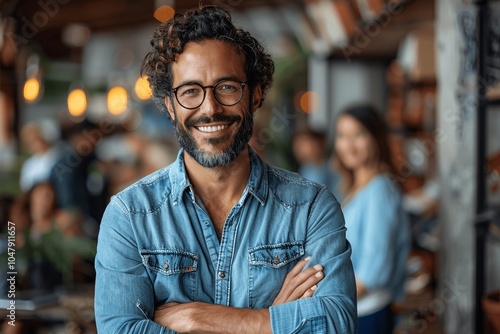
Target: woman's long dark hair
372	121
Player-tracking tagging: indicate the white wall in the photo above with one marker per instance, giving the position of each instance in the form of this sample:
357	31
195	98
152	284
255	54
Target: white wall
356	82
340	84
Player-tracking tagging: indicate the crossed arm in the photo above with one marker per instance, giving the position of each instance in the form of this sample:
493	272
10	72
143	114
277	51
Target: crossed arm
206	318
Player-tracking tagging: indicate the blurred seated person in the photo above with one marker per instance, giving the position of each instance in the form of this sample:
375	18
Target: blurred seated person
78	176
40	140
309	149
36	215
38	208
377	226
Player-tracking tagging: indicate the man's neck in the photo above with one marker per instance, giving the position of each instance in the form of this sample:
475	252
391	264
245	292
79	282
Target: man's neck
225	182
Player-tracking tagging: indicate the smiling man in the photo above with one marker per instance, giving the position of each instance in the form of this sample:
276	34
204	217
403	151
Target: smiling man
219	241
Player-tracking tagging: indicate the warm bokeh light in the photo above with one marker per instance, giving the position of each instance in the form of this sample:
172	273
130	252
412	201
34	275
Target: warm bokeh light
77	102
117	100
309	102
31	89
75	35
164	13
142	89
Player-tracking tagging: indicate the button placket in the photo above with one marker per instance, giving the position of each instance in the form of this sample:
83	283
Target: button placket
226	250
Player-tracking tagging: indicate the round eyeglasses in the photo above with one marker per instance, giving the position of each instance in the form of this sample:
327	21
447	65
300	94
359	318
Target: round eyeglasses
226	92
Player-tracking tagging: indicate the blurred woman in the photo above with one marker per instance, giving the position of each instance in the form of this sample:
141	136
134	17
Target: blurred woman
377	226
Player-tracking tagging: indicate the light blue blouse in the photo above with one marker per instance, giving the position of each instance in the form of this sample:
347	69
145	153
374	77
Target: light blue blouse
378	230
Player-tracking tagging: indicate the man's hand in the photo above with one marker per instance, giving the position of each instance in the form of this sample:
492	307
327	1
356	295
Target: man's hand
299	283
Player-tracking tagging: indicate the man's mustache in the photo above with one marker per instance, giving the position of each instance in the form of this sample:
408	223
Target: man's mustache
204	119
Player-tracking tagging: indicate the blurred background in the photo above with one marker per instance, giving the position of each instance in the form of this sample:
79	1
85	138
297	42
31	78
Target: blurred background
77	125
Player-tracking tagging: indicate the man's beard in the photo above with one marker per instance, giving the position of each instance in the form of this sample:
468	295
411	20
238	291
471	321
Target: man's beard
241	139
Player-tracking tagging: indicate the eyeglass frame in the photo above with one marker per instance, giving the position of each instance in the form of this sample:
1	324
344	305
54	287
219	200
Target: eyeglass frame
243	84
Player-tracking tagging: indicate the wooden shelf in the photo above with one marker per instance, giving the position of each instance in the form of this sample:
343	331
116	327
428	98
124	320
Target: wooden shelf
381	38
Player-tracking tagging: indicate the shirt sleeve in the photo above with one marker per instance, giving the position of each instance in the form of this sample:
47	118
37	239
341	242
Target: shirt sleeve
379	241
332	309
124	297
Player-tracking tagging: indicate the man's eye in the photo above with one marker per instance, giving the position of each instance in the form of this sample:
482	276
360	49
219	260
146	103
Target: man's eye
227	88
190	91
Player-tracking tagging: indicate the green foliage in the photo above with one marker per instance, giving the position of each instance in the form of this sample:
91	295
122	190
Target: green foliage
55	247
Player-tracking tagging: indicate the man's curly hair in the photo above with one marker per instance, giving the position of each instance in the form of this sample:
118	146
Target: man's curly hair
196	25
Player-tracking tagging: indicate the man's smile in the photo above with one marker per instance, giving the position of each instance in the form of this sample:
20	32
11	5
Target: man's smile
211	128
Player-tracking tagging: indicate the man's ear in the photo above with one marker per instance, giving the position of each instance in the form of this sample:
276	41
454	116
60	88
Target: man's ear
170	107
256	98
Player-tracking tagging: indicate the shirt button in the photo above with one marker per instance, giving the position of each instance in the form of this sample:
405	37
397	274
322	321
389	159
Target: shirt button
165	265
276	259
222	275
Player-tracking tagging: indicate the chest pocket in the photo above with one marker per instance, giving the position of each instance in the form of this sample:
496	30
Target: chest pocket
268	266
173	272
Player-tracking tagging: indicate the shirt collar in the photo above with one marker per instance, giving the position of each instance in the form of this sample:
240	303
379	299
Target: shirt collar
257	184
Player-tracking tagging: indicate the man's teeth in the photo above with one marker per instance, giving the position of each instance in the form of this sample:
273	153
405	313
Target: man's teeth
212	128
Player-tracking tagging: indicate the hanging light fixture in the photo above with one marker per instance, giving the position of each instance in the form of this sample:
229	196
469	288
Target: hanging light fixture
77	102
117	100
164	10
33	87
142	89
31	90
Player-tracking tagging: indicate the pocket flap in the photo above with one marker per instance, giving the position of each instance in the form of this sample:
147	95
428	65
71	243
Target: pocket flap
277	255
169	262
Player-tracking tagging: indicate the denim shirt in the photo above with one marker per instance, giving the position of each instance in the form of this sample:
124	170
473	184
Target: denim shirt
157	245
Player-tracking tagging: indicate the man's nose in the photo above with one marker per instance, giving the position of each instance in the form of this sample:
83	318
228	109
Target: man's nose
210	105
